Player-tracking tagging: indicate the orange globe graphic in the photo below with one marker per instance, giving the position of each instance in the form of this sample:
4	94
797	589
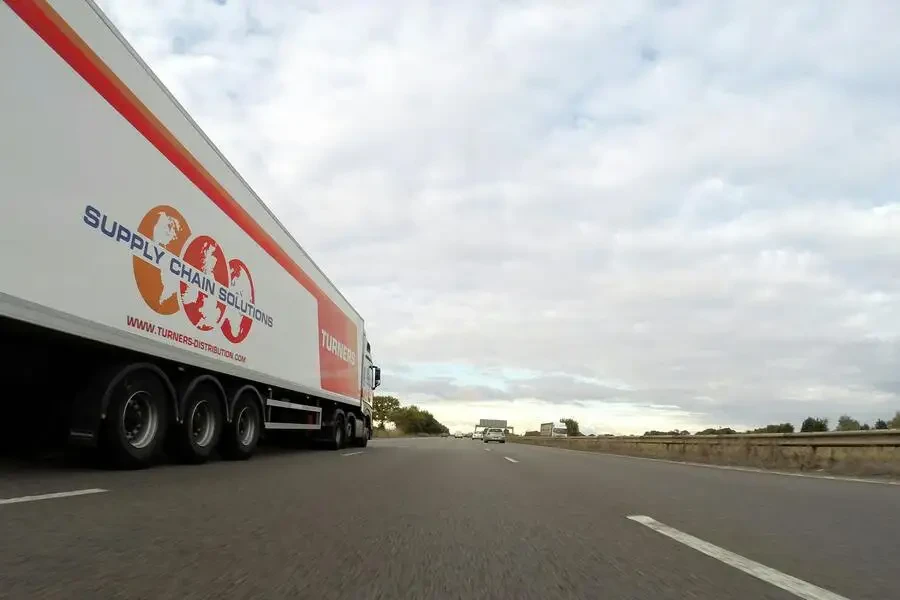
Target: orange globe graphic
159	287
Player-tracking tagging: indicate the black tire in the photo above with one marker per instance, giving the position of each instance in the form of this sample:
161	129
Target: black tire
195	438
350	431
136	419
241	436
364	440
337	436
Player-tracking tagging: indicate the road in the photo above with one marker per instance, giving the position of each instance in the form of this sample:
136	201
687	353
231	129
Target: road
443	518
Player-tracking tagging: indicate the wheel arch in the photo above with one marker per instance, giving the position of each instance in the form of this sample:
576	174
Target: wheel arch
123	372
236	391
191	383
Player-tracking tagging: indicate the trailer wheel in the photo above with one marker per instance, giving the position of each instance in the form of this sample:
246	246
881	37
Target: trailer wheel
136	420
240	437
196	437
338	438
362	442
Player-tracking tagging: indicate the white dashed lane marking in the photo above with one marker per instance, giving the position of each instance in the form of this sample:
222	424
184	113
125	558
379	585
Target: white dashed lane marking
52	496
798	587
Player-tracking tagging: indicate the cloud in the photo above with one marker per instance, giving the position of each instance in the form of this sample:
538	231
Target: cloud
694	204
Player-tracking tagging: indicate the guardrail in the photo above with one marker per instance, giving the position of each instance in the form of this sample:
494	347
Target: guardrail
846	452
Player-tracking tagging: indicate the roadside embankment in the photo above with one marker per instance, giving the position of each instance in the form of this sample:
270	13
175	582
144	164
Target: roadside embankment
396	433
845	452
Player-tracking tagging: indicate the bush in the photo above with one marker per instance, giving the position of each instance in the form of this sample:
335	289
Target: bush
780	428
895	422
572	429
722	431
847	423
811	424
413	420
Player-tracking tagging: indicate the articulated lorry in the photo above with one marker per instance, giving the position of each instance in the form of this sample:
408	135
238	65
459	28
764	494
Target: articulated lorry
149	300
554	430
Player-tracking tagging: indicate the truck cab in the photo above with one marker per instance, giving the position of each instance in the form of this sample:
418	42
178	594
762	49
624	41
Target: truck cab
371	380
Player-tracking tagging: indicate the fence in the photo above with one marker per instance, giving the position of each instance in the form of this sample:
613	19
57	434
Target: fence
845	452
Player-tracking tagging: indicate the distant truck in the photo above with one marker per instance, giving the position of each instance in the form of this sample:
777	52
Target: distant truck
483	424
148	298
554	430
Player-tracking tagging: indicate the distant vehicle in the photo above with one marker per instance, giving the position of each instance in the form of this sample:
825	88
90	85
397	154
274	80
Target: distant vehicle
494	434
445	434
477	435
458	434
554	430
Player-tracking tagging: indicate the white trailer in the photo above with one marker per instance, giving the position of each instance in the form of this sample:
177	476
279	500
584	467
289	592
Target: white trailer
147	295
554	430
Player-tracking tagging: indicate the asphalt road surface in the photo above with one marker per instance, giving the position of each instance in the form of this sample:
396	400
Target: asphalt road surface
444	518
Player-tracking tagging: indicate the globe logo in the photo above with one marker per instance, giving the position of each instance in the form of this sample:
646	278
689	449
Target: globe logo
207	287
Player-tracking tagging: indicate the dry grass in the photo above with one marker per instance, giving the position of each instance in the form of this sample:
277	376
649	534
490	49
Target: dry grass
848	453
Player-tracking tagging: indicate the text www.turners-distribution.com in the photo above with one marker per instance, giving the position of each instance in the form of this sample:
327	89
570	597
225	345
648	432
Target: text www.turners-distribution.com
170	334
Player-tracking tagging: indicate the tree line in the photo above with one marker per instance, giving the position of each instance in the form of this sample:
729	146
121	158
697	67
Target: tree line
809	424
408	419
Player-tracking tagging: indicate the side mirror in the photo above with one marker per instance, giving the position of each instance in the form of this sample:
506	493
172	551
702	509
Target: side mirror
377	375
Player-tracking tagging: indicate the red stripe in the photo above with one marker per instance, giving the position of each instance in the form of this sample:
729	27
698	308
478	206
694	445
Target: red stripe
37	14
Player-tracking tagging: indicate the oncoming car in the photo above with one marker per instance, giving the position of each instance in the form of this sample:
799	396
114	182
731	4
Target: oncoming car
494	434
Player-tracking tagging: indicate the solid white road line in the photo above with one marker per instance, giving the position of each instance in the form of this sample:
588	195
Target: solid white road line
798	587
352	453
51	496
510	459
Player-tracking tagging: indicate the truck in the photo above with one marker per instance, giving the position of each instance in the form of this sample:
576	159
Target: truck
554	430
150	302
484	424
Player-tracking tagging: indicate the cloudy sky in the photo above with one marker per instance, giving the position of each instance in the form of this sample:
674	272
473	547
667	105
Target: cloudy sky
642	214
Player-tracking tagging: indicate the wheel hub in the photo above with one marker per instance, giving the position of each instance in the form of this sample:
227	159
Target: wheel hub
140	420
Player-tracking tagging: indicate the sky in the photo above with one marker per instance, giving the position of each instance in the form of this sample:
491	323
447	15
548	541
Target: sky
639	214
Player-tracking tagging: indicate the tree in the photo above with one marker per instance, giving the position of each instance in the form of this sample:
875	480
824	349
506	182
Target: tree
412	419
779	428
572	429
814	424
382	407
895	422
881	424
722	431
847	423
